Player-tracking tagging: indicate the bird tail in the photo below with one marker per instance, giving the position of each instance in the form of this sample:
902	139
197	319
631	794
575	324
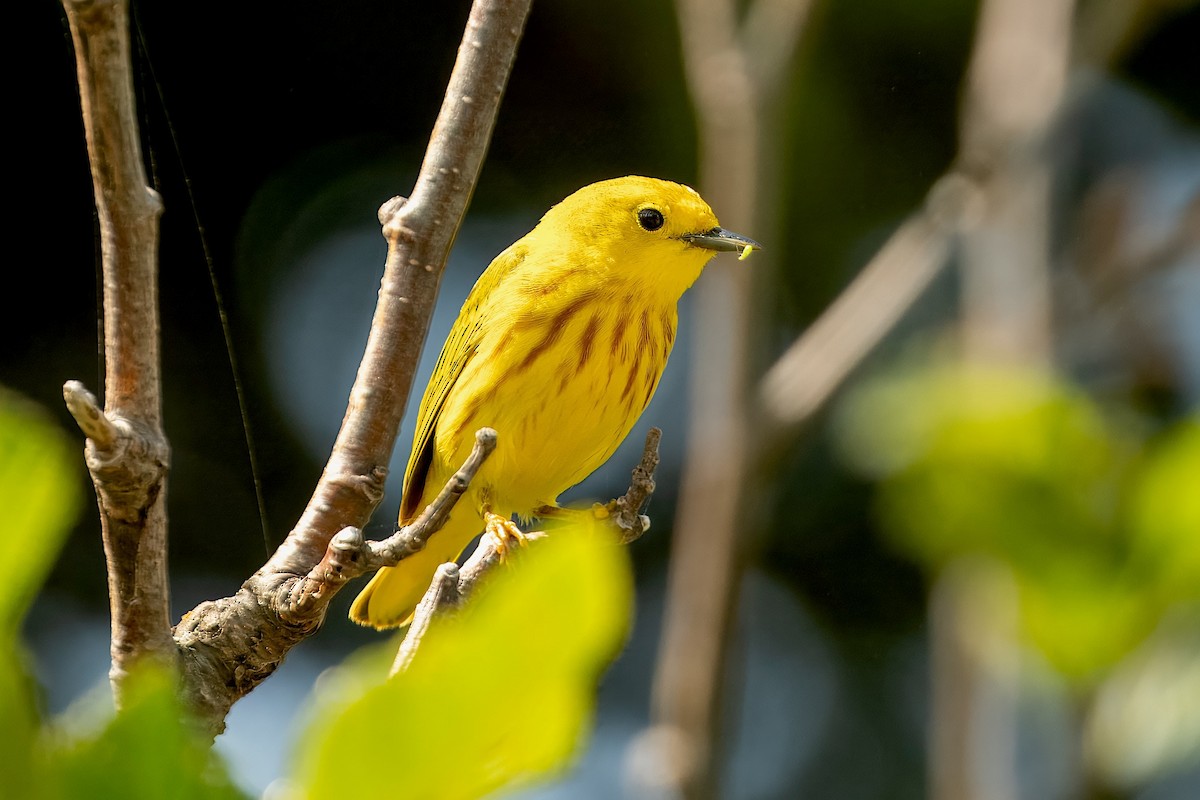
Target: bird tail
389	599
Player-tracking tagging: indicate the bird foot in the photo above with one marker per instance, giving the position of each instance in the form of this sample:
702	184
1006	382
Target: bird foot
504	533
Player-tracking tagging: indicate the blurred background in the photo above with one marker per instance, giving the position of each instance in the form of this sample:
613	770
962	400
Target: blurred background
1049	511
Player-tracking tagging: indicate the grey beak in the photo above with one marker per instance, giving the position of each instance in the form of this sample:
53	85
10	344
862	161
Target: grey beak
721	240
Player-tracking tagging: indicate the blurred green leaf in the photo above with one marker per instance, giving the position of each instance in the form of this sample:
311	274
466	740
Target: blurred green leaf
39	499
18	715
1164	511
147	752
1018	465
496	697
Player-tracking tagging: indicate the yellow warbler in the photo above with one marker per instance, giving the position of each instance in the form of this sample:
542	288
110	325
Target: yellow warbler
559	347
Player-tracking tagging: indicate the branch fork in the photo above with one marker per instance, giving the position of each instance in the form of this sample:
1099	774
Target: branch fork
349	555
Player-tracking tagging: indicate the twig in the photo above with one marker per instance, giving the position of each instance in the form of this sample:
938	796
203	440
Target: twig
488	554
817	363
349	555
127	453
734	74
86	411
442	596
626	510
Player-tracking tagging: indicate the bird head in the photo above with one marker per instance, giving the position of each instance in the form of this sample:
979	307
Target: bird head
658	232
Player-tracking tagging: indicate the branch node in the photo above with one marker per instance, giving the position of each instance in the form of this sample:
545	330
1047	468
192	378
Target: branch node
88	415
345	558
390	210
346	549
955	202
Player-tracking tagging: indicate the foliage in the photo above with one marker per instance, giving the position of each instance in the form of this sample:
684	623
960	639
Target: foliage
495	698
1097	523
147	751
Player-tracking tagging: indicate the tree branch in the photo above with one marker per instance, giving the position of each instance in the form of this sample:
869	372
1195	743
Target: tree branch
419	232
126	453
348	555
442	597
817	363
735	72
226	647
233	644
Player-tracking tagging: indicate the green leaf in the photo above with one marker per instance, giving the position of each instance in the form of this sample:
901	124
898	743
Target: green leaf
1165	511
1019	466
39	499
147	752
496	697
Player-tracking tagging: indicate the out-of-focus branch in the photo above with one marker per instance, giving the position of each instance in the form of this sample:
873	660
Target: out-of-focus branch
126	453
1012	94
1014	87
1015	84
973	633
809	372
734	73
233	644
1016	81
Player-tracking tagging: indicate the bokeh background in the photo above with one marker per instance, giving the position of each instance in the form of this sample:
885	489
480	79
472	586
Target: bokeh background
274	135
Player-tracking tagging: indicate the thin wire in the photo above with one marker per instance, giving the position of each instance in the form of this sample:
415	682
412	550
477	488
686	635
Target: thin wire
226	333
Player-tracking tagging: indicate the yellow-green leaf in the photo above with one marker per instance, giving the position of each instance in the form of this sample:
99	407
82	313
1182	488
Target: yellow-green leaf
497	697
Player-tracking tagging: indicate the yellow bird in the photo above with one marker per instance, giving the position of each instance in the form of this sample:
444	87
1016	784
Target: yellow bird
559	347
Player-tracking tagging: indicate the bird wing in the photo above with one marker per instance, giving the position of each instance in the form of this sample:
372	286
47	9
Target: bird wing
460	346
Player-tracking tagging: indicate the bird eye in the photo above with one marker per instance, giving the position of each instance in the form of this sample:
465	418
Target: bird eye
650	219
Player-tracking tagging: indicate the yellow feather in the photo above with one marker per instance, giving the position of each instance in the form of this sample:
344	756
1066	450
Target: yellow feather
559	347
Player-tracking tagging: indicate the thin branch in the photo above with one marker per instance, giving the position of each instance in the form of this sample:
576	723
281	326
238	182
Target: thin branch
734	81
817	363
626	510
769	37
127	453
350	556
442	597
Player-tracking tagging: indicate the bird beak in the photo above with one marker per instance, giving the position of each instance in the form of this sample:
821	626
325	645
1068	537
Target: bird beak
721	240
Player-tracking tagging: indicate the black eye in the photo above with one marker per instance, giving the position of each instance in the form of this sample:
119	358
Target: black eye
650	219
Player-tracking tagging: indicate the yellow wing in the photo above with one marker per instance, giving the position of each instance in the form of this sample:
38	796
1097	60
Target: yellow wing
460	346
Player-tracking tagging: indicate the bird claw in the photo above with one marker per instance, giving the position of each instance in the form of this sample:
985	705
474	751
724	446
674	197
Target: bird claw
504	533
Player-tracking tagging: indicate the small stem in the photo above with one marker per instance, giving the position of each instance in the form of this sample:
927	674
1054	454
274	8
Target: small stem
441	597
86	410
